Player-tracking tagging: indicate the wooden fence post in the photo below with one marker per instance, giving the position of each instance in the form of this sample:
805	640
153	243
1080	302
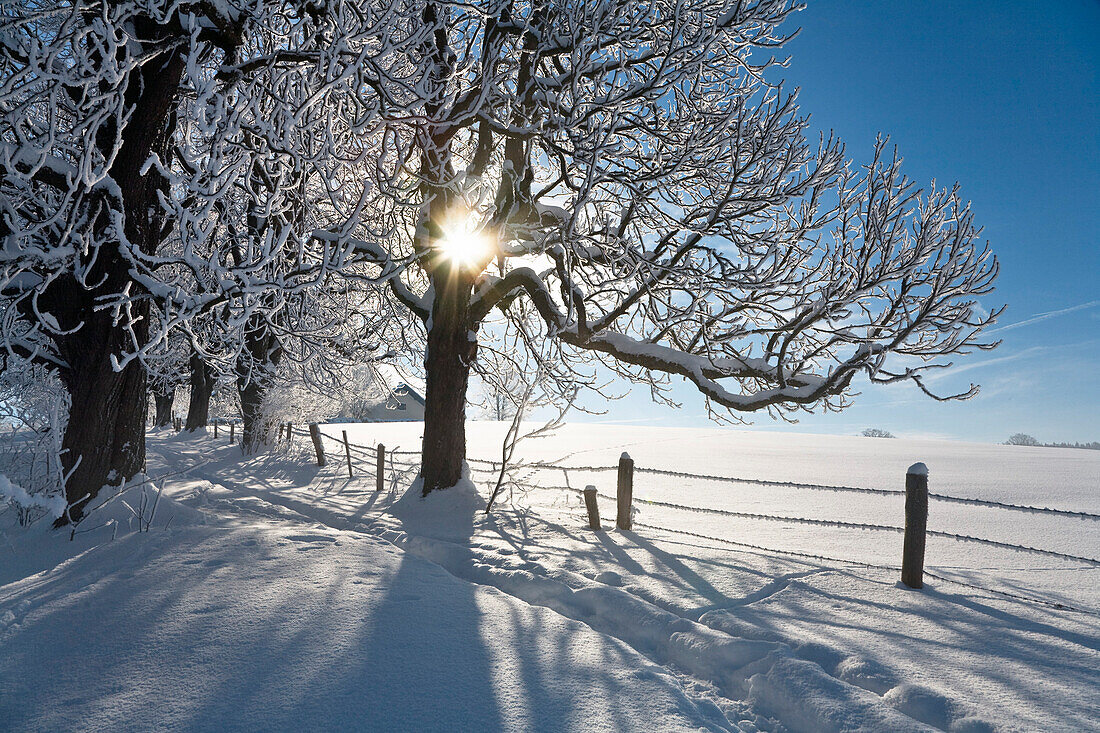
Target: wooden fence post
232	432
625	491
347	451
315	433
215	430
380	477
289	431
916	522
593	508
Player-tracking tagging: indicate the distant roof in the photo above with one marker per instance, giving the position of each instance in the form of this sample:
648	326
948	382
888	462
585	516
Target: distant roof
404	389
395	377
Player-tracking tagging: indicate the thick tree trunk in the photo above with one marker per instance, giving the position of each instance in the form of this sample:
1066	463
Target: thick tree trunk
256	433
163	401
202	386
451	351
104	441
256	369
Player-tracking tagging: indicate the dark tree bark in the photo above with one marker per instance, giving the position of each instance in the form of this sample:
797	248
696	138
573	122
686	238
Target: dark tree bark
162	401
256	368
202	387
104	442
451	351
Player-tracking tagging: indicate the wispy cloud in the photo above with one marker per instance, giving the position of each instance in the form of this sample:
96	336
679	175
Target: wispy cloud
1053	355
1045	316
1016	356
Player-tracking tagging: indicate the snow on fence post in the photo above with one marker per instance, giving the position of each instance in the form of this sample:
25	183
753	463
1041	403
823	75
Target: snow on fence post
347	450
625	491
380	472
916	522
593	508
315	433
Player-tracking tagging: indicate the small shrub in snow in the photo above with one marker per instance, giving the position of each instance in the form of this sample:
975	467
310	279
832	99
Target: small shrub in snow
30	507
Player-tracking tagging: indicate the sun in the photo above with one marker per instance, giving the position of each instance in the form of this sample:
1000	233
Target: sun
463	242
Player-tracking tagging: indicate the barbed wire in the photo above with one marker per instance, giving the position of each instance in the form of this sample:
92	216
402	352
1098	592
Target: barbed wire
402	466
895	568
858	525
785	518
816	487
760	482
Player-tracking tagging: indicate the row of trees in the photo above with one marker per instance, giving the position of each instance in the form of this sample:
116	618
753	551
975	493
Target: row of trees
1030	440
581	190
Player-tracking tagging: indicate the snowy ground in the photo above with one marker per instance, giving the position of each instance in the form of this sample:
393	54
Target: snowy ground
283	596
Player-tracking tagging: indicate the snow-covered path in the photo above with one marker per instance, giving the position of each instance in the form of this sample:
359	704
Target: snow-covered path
527	621
277	623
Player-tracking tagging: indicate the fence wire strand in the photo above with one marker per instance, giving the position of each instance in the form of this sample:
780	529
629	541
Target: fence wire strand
859	563
493	466
397	468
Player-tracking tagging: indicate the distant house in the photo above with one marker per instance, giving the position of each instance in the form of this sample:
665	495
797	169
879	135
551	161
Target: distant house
402	397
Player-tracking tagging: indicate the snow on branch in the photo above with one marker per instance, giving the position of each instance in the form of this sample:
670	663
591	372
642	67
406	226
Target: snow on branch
643	180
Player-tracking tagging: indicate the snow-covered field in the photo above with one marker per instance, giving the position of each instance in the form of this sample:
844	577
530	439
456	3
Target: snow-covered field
283	596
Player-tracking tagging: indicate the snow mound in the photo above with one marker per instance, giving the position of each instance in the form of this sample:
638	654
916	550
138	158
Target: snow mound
445	514
54	506
934	709
140	505
866	673
805	698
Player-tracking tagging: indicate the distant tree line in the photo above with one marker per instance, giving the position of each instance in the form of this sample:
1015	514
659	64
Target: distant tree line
1025	439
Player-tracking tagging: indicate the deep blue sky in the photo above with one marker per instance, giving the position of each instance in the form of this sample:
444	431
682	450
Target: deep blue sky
1003	97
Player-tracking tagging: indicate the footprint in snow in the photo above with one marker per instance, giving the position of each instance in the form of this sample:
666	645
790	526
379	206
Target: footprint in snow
609	578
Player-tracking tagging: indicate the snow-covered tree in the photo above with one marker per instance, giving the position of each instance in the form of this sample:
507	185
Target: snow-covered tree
634	174
87	96
167	369
260	167
124	126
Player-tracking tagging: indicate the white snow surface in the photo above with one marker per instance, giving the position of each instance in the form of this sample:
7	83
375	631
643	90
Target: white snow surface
282	596
54	506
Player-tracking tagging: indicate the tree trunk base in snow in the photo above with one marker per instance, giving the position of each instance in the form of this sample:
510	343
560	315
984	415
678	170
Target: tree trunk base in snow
163	401
104	441
202	387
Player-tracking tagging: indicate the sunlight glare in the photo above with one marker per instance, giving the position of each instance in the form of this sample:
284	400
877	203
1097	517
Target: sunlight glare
463	242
